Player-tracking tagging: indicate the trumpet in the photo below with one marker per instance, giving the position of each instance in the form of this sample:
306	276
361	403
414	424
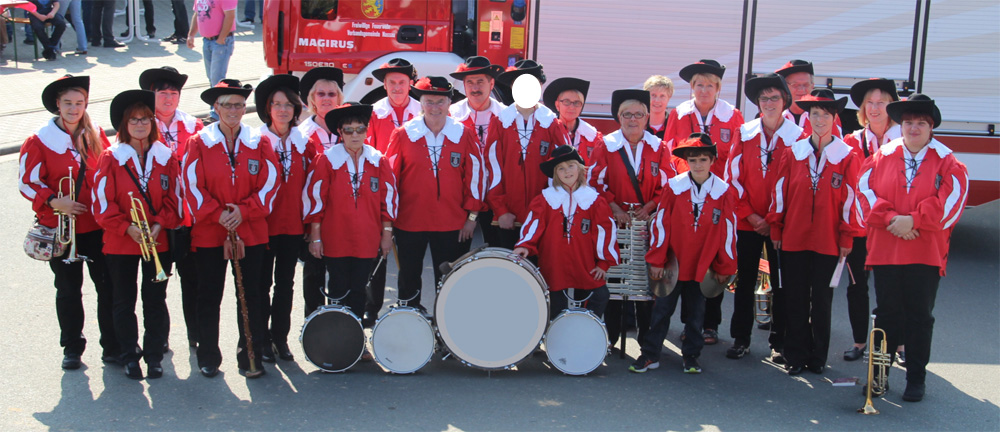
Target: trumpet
66	232
148	243
879	362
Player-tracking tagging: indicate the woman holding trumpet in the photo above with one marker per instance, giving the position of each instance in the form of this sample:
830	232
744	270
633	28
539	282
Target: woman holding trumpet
55	167
135	199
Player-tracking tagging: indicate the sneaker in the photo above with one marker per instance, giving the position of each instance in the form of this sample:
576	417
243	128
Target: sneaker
80	52
643	364
901	358
691	365
737	352
914	392
170	38
711	336
180	40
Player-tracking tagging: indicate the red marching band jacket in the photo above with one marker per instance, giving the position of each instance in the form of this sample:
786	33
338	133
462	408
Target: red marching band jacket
935	198
814	206
609	175
176	136
112	205
751	166
586	140
725	121
515	178
467	116
351	219
384	122
567	258
211	182
318	138
46	157
441	202
295	158
864	142
698	242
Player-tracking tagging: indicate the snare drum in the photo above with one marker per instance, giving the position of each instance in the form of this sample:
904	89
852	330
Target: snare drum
576	341
403	340
492	309
333	338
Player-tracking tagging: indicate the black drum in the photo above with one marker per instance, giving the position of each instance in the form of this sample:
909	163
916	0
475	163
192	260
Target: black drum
333	338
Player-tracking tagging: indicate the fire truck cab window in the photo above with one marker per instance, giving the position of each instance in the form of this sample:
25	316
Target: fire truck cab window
319	9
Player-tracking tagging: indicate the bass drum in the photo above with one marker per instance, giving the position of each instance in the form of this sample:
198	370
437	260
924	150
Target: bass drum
492	309
333	338
403	340
576	342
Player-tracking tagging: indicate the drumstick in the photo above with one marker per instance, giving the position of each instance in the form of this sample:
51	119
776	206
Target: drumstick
837	272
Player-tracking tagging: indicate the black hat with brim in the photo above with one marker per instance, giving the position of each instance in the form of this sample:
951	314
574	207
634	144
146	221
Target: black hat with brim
556	87
226	87
706	66
526	66
349	109
124	100
432	86
860	89
270	85
620	96
308	80
756	85
51	91
149	77
795	66
917	103
822	98
476	65
559	155
396	65
696	141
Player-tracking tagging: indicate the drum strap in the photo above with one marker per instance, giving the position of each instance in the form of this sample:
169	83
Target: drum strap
631	175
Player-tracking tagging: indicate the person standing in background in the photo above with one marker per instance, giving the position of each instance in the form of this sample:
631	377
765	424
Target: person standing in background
102	17
73	9
215	20
249	11
181	26
147	14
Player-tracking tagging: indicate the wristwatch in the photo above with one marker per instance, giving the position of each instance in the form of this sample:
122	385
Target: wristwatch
473	216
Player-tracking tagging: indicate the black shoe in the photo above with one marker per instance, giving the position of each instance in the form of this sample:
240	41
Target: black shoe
180	40
124	33
133	371
854	353
209	372
267	356
170	38
111	359
795	370
283	352
777	357
816	369
71	362
914	392
643	364
764	325
691	365
155	370
737	352
192	343
151	35
29	41
113	44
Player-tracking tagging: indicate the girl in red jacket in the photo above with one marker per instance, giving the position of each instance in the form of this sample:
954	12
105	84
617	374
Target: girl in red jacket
138	166
70	142
813	218
913	191
569	227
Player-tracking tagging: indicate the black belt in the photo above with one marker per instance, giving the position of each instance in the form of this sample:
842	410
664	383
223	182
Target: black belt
212	38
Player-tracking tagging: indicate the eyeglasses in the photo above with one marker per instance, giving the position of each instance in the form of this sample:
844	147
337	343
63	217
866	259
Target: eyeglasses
630	116
284	106
139	120
323	94
572	103
769	99
230	106
351	131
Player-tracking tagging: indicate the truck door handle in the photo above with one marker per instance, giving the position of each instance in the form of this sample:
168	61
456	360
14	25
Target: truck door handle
410	34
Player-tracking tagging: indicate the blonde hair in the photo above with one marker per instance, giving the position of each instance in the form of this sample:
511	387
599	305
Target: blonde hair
659	81
629	103
311	101
93	145
712	79
863	112
581	178
227	97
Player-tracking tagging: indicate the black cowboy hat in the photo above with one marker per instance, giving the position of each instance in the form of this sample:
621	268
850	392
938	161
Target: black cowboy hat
476	65
772	80
696	141
822	97
619	96
51	91
397	65
269	86
916	103
349	109
126	99
559	155
225	87
432	85
702	66
557	86
795	66
860	89
308	80
526	66
149	77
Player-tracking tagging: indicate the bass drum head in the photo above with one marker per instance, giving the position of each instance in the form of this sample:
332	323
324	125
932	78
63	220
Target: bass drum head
490	311
403	340
333	339
576	342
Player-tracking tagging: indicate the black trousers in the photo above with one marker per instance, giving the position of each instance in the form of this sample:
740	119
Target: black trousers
506	238
58	28
713	311
124	269
749	245
412	245
490	231
348	276
313	281
278	270
597	303
642	310
211	285
808	299
147	16
375	294
187	269
693	301
102	17
69	296
181	23
858	307
905	295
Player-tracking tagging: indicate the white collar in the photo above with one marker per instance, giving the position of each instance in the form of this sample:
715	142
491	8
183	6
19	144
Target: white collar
295	136
55	138
184	118
212	135
461	110
557	197
895	144
416	129
682	183
789	132
543	115
383	108
123	152
892	133
722	110
338	155
588	131
616	140
835	152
